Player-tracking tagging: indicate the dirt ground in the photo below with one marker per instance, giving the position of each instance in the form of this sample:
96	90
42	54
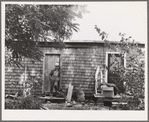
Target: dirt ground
63	105
76	106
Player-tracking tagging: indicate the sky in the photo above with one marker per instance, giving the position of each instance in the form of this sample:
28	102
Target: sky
113	17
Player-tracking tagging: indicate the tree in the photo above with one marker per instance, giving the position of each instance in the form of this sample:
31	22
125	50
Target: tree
27	24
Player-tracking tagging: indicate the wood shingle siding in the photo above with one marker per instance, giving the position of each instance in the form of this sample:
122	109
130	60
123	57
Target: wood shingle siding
14	75
79	68
78	63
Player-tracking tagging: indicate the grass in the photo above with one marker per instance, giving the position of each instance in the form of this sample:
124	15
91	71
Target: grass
36	103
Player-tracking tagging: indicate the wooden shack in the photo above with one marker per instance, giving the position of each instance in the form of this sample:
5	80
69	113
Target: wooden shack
78	63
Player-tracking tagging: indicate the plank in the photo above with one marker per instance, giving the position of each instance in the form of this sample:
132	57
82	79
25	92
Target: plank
119	103
69	93
96	78
103	98
53	98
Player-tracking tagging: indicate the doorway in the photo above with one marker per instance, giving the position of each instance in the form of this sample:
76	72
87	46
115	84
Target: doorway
110	63
112	78
115	60
49	64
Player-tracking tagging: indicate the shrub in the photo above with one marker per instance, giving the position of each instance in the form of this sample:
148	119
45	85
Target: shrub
24	103
29	103
132	77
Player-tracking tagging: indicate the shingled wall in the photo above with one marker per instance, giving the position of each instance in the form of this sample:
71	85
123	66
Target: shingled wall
79	68
14	76
78	65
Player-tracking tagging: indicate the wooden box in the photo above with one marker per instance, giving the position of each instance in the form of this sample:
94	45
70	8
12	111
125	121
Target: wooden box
108	92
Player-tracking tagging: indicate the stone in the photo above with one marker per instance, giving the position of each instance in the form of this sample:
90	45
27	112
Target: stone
69	105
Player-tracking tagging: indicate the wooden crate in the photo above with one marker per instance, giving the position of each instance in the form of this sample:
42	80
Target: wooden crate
108	92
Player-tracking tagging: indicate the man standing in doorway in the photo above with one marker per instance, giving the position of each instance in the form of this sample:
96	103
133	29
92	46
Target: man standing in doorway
54	78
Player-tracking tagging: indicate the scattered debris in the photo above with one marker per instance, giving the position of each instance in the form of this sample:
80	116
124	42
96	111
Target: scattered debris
69	105
52	99
83	103
117	105
105	108
12	96
48	102
43	108
118	96
74	102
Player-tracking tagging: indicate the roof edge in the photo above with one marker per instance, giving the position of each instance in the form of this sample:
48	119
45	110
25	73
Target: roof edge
94	41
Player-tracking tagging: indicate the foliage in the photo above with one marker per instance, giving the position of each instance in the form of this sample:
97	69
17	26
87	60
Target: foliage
28	99
26	24
31	85
29	103
132	76
133	104
24	103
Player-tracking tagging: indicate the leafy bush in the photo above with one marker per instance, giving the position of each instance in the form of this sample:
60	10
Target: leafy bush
32	84
12	105
24	103
133	74
29	103
134	104
132	77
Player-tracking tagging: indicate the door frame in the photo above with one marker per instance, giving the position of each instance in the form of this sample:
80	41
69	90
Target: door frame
50	53
107	53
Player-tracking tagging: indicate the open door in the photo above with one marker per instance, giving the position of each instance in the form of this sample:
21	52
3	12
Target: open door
111	77
111	64
49	64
